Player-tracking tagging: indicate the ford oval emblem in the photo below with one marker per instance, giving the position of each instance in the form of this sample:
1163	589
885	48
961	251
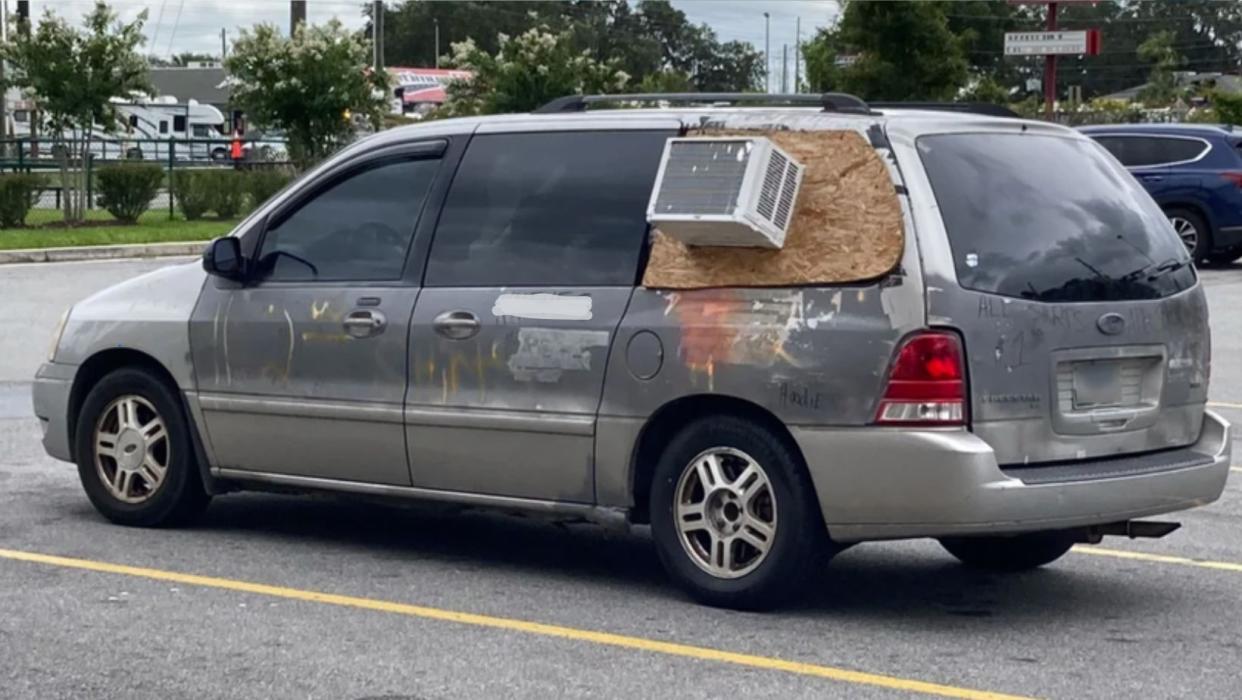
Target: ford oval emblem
1111	324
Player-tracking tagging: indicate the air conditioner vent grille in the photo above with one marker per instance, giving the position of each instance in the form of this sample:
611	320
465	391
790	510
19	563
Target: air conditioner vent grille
703	177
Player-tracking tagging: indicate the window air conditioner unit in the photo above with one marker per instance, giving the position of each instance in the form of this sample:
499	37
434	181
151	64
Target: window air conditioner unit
725	191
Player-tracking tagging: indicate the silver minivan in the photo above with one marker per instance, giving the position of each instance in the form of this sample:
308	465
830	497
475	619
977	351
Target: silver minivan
453	312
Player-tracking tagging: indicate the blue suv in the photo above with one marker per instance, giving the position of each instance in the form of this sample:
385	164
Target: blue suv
1194	172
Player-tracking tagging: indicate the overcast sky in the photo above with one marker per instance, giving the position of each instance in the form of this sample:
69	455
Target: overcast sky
174	26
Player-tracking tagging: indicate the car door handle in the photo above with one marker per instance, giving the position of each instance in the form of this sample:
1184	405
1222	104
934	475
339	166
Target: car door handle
364	323
457	325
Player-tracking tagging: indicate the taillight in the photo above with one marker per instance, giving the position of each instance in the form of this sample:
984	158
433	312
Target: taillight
1234	177
927	383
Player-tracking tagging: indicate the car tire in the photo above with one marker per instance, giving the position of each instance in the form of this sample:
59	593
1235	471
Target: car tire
717	560
1015	553
1188	223
135	456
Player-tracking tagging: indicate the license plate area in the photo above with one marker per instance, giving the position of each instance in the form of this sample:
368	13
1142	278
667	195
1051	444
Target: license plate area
1096	384
1109	389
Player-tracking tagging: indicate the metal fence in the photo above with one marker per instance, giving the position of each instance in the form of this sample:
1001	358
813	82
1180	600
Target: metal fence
43	155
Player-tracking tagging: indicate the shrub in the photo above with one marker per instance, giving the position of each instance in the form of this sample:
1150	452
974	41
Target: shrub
225	192
18	193
262	184
126	189
192	193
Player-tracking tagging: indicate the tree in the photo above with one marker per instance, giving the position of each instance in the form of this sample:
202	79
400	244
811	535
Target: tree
1161	88
525	72
309	85
888	51
73	76
650	37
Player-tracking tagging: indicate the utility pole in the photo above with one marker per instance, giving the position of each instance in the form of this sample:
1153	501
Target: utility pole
297	15
436	22
767	54
1050	69
798	56
784	69
4	94
377	34
224	45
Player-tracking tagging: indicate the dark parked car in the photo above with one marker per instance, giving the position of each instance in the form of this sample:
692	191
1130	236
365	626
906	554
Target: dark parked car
1194	172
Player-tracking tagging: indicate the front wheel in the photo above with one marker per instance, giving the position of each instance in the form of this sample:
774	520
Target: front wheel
134	452
1014	553
734	515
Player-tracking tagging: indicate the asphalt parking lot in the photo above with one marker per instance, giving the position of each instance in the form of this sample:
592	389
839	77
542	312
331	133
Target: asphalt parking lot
281	596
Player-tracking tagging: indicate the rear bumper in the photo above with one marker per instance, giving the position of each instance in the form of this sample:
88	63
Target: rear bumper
50	395
890	484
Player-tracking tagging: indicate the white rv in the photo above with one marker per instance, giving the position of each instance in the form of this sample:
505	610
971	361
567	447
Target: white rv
142	126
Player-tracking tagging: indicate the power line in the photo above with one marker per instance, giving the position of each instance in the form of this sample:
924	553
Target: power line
176	23
155	37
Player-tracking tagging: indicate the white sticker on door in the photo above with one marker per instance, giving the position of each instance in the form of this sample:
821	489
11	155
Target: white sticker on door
543	307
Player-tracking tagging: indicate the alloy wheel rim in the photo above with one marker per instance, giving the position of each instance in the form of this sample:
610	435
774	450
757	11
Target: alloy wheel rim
1187	231
725	512
132	450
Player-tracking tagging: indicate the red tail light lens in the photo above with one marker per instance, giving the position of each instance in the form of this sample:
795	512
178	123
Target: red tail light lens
1234	177
927	383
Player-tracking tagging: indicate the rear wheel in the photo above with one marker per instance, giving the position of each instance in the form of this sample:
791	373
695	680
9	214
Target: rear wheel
734	516
1193	231
1014	553
134	453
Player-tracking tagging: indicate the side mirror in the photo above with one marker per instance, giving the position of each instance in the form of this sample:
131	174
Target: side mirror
223	258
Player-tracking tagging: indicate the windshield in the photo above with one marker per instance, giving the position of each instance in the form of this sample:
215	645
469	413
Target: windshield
1050	218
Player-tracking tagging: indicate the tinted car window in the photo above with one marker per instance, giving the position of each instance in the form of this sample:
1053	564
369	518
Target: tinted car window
1138	151
547	209
358	229
1047	218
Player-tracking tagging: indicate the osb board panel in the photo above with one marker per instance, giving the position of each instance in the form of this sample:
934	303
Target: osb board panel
846	225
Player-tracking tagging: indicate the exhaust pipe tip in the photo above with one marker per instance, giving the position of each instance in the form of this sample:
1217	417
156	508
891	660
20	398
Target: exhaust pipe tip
1134	529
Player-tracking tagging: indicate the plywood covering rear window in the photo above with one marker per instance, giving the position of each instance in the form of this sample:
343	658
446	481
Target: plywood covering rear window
846	227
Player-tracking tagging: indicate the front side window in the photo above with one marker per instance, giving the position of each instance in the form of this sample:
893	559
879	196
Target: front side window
1048	218
359	228
547	209
202	130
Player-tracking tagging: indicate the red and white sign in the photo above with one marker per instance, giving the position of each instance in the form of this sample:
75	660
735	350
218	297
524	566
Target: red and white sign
1086	41
425	84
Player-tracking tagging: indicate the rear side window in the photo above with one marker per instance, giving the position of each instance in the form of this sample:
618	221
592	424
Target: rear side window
1140	151
547	209
1048	218
358	229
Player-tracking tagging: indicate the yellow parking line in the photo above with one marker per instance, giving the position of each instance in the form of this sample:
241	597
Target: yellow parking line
1159	558
571	633
1224	404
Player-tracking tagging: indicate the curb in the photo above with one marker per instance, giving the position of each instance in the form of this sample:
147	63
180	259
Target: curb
101	252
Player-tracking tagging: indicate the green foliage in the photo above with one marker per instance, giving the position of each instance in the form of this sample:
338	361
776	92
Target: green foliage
1161	88
307	85
261	185
191	192
73	75
666	81
126	189
526	72
226	192
648	38
18	193
895	50
988	90
1227	108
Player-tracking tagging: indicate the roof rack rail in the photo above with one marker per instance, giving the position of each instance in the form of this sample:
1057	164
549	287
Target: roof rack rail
830	101
984	108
